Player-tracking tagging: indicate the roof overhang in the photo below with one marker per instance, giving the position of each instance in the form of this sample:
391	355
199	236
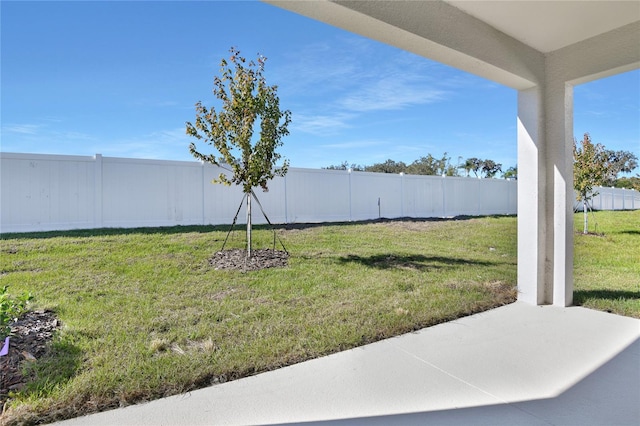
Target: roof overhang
507	42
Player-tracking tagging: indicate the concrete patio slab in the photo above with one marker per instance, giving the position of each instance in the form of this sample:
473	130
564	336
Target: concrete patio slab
518	364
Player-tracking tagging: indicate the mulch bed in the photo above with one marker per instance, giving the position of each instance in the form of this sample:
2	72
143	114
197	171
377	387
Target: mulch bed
29	341
260	259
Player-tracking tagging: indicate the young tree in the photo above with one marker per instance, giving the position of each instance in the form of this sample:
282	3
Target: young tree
619	162
248	104
590	169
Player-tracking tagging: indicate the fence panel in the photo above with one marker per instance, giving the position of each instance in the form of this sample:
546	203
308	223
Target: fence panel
612	199
495	197
374	195
317	196
53	192
462	197
423	196
219	202
40	192
223	202
150	193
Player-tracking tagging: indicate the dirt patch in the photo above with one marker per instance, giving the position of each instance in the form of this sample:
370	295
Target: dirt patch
29	341
411	225
404	223
260	259
590	234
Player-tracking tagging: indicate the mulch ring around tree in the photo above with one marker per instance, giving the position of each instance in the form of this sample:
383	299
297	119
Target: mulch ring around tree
260	259
28	342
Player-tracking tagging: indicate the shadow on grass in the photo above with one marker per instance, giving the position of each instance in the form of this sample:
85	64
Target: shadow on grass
105	232
630	232
179	229
414	261
61	364
581	296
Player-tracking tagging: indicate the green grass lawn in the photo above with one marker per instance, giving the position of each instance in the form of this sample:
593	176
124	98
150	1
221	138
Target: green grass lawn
145	316
607	266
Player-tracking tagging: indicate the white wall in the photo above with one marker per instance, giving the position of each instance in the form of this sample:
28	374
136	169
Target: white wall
53	192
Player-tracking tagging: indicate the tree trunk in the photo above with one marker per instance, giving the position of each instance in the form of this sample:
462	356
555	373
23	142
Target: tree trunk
249	225
585	229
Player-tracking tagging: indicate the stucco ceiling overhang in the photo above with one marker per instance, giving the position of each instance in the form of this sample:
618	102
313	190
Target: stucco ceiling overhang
551	25
505	41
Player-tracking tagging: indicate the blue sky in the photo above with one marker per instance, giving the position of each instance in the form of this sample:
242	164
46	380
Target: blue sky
121	79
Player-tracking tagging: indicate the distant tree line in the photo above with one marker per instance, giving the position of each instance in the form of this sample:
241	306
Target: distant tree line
435	166
610	165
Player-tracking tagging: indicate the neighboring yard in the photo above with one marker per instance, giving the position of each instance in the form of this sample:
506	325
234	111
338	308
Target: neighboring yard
144	315
607	267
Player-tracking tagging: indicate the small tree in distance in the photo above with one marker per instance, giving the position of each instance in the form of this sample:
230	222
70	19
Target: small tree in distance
431	165
619	162
491	168
473	164
481	168
388	166
248	104
511	173
590	169
346	166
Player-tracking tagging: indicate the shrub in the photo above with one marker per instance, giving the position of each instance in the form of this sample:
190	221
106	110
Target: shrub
11	309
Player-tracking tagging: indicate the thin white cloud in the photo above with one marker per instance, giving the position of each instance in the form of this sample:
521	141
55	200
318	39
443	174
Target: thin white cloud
355	144
596	113
337	81
41	138
391	93
157	103
162	144
23	129
401	82
320	124
317	68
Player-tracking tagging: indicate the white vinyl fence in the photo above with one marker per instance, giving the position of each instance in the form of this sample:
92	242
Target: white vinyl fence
54	192
612	199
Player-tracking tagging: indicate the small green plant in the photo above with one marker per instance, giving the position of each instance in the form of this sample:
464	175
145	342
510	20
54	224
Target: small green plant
11	309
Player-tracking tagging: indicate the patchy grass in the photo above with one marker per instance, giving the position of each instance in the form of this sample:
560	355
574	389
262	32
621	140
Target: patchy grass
145	316
607	264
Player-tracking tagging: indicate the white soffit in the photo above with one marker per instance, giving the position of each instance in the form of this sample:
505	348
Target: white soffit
551	25
504	41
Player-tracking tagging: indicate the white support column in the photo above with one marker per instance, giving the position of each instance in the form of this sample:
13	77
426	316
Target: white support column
559	137
531	198
545	194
